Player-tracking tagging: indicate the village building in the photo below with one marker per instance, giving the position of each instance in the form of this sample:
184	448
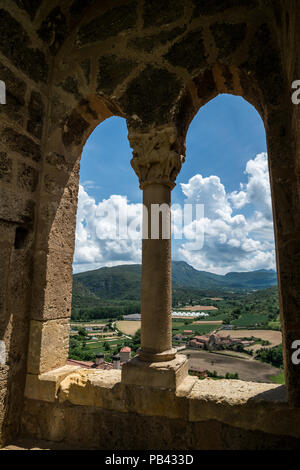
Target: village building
125	354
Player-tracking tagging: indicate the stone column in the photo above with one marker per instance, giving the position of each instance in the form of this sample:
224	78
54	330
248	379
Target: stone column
157	164
156	293
157	160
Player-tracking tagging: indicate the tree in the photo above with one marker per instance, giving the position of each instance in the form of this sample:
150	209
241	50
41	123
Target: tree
82	332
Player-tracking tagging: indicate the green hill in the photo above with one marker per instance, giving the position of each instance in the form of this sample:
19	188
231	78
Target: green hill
122	283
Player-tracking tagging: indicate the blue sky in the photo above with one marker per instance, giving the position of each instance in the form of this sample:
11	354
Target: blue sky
225	169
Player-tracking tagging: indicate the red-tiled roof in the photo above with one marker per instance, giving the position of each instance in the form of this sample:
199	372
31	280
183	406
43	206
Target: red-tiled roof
90	365
202	338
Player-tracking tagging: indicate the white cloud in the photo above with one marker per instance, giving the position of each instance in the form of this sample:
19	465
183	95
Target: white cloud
257	190
233	241
96	231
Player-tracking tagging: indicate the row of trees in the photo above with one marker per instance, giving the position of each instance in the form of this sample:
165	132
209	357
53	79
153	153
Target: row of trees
105	311
271	355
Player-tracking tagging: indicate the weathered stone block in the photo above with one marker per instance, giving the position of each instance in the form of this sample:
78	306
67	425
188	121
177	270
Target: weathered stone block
48	345
15	93
228	37
206	85
70	85
54	29
74	129
86	67
52	285
28	178
111	23
31	6
148	43
78	7
93	388
30	61
15	207
211	7
5	168
150	96
58	220
165	375
22	144
189	52
111	72
36	115
157	13
56	160
45	386
265	65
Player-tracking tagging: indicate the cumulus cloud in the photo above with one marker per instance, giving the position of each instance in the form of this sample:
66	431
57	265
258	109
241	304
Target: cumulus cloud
101	232
257	190
237	227
233	241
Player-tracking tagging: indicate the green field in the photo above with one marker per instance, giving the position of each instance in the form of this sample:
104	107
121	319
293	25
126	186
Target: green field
250	319
278	379
179	327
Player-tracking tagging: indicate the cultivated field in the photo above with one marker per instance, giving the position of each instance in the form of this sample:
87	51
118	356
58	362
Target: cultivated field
250	370
205	322
275	337
196	308
87	324
128	327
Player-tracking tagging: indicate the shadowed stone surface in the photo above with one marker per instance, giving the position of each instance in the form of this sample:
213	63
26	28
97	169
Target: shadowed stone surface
27	178
36	115
157	13
110	23
264	60
228	37
5	168
151	95
148	43
15	92
111	71
78	7
188	53
31	6
22	144
30	60
54	30
70	85
86	67
211	7
74	129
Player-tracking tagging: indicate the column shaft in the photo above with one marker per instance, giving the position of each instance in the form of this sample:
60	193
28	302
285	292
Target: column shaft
156	295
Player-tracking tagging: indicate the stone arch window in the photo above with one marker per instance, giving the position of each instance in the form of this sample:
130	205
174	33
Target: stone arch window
226	145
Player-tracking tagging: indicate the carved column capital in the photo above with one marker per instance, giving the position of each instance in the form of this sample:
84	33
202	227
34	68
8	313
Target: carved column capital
157	156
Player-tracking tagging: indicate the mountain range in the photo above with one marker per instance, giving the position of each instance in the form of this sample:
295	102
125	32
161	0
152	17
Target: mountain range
123	282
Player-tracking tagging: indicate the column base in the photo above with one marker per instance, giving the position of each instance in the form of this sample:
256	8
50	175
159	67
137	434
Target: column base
164	356
166	375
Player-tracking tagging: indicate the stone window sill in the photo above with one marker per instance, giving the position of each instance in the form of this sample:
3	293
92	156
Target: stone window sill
248	405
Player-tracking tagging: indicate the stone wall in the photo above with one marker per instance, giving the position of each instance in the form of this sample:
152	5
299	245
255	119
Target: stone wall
94	409
69	65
